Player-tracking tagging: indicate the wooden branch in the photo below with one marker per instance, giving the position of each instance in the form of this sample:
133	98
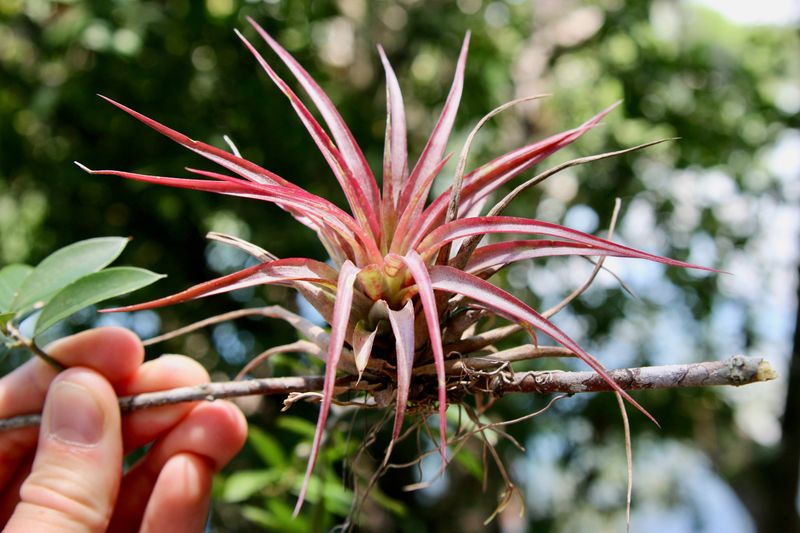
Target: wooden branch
737	371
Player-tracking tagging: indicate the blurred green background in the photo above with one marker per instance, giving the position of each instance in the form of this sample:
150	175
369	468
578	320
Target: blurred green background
724	195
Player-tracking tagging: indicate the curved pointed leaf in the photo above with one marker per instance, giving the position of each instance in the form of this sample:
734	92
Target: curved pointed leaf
456	281
281	271
419	272
341	317
395	156
341	133
437	142
467	227
352	188
500	254
243	167
481	182
363	339
91	289
319	210
64	266
233	162
403	328
415	206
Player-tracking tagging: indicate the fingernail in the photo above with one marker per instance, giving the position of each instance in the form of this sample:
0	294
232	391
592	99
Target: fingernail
73	415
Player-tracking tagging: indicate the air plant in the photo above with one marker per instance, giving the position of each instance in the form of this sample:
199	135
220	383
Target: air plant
406	279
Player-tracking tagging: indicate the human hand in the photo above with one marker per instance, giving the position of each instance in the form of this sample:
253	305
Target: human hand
73	479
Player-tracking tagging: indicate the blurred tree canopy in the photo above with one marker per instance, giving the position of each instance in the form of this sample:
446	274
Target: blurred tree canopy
725	195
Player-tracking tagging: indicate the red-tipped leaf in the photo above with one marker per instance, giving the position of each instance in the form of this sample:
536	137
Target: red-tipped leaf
414	207
480	183
322	212
282	271
341	316
359	203
419	271
402	322
456	281
437	142
243	167
395	155
500	254
341	133
501	224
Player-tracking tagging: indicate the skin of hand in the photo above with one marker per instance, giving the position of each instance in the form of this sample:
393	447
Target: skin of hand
67	476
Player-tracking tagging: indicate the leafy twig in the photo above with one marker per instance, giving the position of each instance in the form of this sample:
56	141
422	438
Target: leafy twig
30	344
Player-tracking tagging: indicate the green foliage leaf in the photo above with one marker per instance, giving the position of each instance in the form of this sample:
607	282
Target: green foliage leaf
299	426
390	504
64	266
339	447
276	517
260	516
92	289
5	318
336	498
471	463
243	484
266	446
11	277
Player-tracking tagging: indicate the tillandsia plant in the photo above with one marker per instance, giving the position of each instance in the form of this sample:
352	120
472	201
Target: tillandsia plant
407	280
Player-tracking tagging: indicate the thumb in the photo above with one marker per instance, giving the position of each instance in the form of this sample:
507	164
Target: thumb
75	476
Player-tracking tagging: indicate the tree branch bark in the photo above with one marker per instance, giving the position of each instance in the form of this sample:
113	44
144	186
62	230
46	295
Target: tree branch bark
736	371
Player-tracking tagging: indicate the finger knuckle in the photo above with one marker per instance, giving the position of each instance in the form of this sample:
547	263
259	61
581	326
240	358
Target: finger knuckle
69	496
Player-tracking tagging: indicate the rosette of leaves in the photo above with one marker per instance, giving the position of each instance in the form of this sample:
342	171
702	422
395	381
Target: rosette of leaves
63	283
406	278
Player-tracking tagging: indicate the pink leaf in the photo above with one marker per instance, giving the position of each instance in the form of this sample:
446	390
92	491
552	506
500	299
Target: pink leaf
402	322
243	167
414	207
466	227
320	299
455	281
479	183
341	133
341	316
240	166
395	156
437	142
323	212
223	177
363	340
500	254
419	271
282	271
361	205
